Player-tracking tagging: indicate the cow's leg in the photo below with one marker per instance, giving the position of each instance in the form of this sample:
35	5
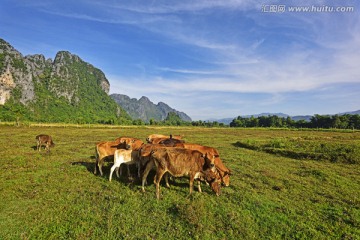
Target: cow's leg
47	147
191	182
118	172
118	160
100	163
96	160
138	165
159	174
95	170
199	188
167	180
96	163
149	166
128	170
38	145
112	171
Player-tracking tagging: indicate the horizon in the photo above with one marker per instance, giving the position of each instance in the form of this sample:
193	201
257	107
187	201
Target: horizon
237	56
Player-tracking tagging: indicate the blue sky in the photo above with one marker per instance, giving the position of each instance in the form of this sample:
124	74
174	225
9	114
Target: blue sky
207	58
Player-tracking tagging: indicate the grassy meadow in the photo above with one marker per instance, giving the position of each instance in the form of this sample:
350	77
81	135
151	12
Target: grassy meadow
285	184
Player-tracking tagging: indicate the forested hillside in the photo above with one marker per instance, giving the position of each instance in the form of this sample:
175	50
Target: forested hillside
66	89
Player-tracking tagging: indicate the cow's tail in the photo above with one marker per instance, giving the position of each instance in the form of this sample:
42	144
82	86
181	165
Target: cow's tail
96	158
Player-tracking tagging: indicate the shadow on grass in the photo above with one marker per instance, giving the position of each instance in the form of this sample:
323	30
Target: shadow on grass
281	152
89	165
244	145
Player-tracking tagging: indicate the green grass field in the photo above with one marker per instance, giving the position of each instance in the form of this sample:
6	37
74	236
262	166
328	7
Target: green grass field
281	193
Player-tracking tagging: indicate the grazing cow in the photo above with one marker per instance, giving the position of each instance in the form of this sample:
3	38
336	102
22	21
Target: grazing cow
182	162
222	170
44	139
150	138
105	150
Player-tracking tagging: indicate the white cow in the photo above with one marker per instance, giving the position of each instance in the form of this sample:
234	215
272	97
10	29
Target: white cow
123	156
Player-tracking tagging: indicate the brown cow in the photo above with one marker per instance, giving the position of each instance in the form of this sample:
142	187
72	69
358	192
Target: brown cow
105	150
183	162
222	170
144	158
144	155
46	140
170	142
150	138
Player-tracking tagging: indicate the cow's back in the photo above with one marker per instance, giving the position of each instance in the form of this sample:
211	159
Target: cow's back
178	161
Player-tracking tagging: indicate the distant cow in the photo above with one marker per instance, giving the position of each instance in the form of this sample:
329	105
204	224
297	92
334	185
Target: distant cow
44	139
105	150
222	170
183	162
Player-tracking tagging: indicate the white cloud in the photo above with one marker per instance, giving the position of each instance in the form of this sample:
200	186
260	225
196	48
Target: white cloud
168	7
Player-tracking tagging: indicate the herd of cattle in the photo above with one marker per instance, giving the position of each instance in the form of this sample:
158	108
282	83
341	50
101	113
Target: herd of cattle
168	155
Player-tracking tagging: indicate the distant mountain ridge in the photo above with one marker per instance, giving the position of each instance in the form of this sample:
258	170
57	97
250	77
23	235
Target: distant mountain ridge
282	115
145	109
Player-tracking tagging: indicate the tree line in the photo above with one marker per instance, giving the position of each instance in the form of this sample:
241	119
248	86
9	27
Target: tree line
346	121
17	112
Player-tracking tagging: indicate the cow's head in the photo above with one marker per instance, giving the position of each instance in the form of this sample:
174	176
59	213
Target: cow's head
210	160
126	145
224	176
210	177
